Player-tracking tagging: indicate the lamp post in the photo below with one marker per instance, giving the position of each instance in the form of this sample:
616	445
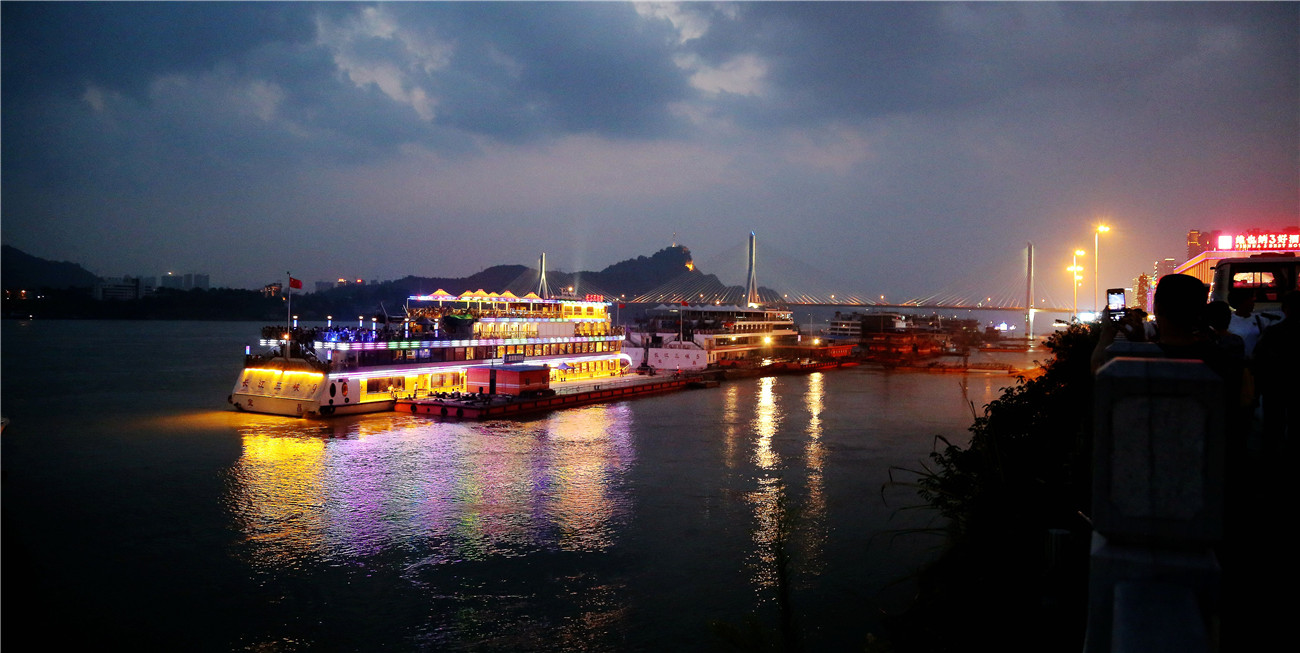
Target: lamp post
1096	265
1075	269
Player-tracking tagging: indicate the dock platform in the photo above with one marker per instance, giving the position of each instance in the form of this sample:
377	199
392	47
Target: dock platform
504	406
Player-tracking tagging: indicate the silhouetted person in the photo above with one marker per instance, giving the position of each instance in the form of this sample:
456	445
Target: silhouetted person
1277	376
1245	321
1180	330
1218	315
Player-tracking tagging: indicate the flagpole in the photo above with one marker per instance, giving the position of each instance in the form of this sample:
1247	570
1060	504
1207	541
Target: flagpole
288	314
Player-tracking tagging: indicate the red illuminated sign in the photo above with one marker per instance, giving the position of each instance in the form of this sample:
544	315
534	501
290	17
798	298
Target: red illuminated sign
1253	242
592	298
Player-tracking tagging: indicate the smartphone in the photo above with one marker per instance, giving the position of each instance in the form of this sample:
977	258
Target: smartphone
1115	302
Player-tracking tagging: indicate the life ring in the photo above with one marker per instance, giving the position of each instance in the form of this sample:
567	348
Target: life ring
412	408
460	412
444	411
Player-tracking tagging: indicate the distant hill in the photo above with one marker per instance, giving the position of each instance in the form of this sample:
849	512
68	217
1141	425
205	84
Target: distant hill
68	294
20	270
630	277
641	274
627	278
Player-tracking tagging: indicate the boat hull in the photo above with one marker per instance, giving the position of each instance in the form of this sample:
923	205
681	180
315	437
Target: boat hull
290	407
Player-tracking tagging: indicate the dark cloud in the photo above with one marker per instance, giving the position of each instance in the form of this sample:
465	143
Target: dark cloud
122	45
849	133
856	61
555	68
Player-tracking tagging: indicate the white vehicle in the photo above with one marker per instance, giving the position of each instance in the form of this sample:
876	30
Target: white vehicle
1270	276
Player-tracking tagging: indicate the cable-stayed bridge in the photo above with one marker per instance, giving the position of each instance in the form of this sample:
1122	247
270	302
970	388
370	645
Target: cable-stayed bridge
784	280
1003	286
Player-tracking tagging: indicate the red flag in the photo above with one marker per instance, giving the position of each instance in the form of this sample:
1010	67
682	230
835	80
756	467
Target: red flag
295	283
685	304
622	305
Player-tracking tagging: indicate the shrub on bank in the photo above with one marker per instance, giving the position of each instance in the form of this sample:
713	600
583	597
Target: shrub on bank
1013	574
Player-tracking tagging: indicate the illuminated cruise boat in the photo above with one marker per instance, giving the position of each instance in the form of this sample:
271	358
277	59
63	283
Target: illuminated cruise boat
339	370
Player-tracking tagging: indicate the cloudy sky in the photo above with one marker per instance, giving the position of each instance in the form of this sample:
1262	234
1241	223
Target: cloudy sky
901	149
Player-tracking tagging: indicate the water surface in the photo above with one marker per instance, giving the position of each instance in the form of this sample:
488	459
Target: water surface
139	509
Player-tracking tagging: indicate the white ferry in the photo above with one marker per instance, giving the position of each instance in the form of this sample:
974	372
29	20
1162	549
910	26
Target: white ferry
852	326
695	337
684	337
336	370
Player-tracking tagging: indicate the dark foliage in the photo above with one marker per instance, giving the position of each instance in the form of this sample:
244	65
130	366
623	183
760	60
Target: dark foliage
1013	576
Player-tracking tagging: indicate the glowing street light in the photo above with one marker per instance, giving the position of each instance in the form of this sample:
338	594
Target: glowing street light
1075	269
1096	265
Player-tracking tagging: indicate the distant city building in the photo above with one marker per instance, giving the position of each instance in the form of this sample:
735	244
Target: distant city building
1226	244
188	281
1201	241
1166	266
322	286
1143	290
117	289
172	281
272	289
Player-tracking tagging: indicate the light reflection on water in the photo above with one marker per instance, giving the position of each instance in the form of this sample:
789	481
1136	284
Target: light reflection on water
343	489
767	417
788	530
813	516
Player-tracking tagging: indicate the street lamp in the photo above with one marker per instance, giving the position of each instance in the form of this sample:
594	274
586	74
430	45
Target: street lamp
1075	269
1096	265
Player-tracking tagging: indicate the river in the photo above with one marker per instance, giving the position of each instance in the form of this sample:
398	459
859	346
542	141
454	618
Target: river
140	510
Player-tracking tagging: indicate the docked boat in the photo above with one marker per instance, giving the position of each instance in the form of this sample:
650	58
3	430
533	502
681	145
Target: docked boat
431	350
695	337
852	326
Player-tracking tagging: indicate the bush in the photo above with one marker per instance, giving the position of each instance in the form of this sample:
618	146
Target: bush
1019	489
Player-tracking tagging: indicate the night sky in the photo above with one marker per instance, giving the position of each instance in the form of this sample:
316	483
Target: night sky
899	148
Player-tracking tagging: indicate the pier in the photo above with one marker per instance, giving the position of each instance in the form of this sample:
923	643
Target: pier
478	406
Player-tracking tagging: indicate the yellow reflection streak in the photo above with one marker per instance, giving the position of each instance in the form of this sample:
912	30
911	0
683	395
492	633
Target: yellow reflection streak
770	531
731	432
813	516
768	501
278	497
766	417
585	463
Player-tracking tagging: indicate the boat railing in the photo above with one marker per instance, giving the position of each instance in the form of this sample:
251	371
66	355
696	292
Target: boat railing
307	336
612	382
257	360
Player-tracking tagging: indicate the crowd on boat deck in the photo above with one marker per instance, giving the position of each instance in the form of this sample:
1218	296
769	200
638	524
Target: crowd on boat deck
349	334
